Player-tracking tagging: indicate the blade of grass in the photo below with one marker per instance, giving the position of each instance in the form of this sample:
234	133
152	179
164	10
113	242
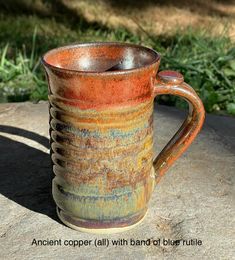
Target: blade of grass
3	56
32	56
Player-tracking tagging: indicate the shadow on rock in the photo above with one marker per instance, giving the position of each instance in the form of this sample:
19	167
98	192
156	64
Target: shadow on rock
26	172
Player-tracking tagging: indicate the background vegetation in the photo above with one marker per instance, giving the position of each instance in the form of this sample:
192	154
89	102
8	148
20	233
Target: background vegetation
207	61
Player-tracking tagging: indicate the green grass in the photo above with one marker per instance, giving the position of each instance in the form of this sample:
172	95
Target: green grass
208	63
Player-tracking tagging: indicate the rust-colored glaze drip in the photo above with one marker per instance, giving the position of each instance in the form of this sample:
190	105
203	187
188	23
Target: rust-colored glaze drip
101	131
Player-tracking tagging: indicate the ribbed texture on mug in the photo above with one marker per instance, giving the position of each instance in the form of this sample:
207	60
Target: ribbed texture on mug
102	159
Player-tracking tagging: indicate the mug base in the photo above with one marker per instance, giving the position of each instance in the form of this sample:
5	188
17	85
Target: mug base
82	225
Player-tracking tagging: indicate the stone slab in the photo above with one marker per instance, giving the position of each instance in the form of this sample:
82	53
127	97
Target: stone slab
195	199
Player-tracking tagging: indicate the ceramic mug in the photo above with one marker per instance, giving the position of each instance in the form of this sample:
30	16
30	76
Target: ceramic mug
101	99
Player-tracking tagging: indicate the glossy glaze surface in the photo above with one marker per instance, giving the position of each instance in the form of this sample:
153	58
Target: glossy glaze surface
101	106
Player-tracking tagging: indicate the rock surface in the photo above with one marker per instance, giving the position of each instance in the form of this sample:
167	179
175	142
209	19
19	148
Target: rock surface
195	199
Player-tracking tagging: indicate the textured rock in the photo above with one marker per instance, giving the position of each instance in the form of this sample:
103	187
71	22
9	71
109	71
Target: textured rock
195	200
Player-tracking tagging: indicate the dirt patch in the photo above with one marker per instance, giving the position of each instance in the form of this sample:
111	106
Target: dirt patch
160	17
154	17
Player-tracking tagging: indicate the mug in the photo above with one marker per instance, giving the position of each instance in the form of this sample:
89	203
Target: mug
101	98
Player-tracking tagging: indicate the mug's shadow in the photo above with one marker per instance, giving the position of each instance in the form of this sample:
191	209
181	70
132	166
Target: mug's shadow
26	172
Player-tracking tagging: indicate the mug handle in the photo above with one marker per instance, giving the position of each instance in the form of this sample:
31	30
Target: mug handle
172	83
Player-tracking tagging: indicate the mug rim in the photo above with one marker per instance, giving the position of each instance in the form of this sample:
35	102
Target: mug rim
155	54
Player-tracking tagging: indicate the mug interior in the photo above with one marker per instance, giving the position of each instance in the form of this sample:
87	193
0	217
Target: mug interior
100	57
